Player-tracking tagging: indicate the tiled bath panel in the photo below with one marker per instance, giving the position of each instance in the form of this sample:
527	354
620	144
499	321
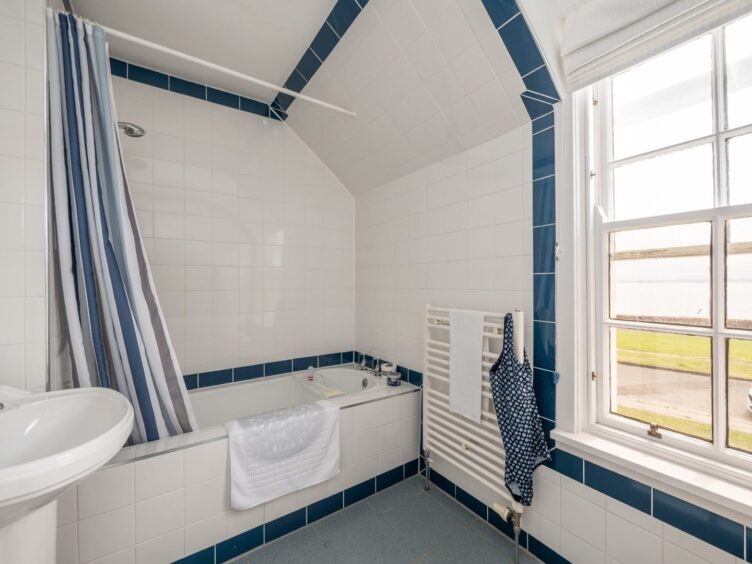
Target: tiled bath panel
160	509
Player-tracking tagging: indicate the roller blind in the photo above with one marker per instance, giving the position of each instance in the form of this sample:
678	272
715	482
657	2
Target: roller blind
603	37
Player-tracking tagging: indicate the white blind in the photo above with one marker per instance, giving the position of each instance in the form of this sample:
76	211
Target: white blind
602	37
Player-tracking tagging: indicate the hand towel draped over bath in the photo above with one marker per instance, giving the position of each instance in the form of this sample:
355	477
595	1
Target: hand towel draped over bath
465	362
282	451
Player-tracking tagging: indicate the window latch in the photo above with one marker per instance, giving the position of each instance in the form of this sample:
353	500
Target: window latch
654	432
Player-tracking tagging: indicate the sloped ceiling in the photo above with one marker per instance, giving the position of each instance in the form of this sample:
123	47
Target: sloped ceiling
262	38
427	78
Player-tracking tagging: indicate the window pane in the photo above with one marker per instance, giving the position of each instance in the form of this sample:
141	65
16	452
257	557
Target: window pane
664	101
739	72
739	273
663	378
670	183
661	274
739	363
740	168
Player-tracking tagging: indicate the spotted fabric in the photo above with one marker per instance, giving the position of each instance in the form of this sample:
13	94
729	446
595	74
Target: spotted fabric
519	422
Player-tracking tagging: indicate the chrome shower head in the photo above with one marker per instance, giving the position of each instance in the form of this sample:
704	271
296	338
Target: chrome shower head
131	129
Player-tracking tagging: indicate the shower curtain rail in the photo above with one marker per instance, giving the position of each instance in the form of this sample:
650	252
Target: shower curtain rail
224	70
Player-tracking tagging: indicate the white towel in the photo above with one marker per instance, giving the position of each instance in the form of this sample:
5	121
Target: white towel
282	451
465	362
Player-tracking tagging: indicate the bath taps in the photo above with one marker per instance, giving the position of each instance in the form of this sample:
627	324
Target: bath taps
377	369
362	363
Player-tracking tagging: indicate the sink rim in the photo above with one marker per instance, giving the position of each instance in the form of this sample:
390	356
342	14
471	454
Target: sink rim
35	478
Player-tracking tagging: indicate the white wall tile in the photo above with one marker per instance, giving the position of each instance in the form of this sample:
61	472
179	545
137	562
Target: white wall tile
577	550
105	490
208	199
158	475
630	544
166	548
159	515
205	499
583	519
204	533
105	533
205	462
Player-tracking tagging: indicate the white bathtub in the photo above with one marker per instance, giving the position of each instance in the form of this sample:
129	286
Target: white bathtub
170	498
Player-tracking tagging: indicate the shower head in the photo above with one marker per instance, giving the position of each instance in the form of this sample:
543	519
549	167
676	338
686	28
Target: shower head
131	129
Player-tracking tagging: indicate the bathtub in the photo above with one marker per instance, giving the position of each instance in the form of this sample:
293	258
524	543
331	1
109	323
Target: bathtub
167	499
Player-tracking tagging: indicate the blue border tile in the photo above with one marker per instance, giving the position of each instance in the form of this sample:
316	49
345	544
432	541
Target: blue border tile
545	393
472	503
332	359
535	108
278	367
148	76
619	487
347	357
495	520
544	294
521	45
325	507
240	544
443	482
304	362
500	11
568	464
749	544
248	372
544	149
415	378
537	548
343	15
544	249
411	468
187	88
191	381
698	522
308	65
215	378
540	81
324	42
296	81
360	491
118	67
543	122
544	201
389	478
222	98
544	345
284	525
254	106
205	556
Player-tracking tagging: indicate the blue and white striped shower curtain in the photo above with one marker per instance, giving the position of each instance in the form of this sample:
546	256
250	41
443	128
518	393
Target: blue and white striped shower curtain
115	331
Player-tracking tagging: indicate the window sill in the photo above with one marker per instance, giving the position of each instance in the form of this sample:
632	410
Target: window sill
712	485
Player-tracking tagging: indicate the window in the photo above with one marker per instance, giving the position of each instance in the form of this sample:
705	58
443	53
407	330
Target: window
671	261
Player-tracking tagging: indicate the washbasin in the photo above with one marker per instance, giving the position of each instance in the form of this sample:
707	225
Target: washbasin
48	441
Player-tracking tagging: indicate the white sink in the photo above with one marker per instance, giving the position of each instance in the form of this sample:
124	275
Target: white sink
48	441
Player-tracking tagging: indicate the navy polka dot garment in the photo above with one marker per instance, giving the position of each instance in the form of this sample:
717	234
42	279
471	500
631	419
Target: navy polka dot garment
519	423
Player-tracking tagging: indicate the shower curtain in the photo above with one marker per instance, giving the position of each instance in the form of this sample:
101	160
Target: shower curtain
114	327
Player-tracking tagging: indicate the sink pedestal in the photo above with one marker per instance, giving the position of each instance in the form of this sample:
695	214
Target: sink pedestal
32	538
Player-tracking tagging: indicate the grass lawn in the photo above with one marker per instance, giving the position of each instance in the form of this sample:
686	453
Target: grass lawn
687	353
737	439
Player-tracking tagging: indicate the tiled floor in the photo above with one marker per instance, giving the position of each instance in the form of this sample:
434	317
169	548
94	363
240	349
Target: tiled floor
400	524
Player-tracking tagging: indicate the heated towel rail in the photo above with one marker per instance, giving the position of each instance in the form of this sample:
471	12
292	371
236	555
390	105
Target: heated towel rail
474	449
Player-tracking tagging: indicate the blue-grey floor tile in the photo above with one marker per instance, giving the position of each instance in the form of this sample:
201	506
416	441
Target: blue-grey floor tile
397	495
478	544
424	521
319	555
358	534
286	548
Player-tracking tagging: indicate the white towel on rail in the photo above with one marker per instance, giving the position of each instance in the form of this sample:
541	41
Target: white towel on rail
282	451
465	362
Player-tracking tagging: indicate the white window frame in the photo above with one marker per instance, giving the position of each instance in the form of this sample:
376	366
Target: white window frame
599	420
